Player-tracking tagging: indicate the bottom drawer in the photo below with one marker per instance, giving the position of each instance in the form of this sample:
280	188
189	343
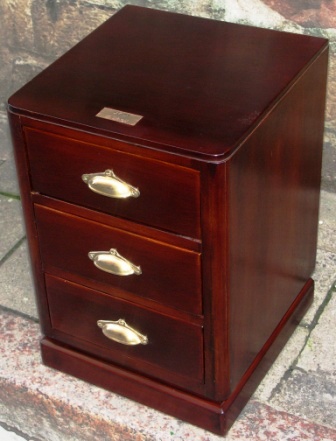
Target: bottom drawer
153	340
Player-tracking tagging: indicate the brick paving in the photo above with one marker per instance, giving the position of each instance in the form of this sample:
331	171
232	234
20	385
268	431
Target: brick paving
296	400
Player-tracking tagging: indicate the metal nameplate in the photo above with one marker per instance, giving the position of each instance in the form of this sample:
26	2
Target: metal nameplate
119	116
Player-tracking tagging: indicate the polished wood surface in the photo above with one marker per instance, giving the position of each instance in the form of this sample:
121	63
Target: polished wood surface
200	84
172	344
274	200
169	275
58	173
227	158
215	416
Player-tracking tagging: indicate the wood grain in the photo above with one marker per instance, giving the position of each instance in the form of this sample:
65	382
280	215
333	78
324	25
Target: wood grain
227	158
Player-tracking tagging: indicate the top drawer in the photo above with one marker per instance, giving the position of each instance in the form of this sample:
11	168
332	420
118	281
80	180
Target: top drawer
168	198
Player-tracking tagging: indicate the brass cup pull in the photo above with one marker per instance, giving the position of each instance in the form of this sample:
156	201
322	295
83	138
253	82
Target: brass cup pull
120	332
108	184
112	262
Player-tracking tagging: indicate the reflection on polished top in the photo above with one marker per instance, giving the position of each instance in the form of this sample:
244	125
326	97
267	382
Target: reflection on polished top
200	85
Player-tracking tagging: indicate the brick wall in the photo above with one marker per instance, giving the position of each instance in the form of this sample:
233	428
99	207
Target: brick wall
33	33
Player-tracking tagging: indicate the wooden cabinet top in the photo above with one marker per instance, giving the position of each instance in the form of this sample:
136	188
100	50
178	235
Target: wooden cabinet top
201	86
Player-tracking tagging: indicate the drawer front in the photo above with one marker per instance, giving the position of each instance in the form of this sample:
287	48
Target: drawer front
167	274
165	342
154	193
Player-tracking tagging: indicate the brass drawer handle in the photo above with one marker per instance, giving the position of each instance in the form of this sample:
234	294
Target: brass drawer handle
112	262
120	332
108	184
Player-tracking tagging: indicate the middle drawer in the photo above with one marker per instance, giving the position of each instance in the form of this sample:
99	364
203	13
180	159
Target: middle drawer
120	260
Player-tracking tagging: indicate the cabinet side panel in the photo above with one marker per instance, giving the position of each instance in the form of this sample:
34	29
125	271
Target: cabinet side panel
273	215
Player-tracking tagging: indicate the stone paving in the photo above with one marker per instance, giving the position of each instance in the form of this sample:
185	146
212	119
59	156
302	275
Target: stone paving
296	400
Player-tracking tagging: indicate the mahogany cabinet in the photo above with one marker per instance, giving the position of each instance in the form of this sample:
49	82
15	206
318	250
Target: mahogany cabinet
170	170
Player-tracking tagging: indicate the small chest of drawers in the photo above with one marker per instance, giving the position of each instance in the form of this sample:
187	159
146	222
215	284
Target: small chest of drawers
169	169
